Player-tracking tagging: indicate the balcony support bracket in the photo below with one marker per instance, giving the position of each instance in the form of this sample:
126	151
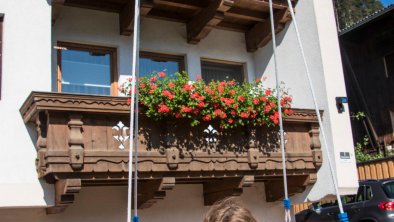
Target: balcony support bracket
296	184
217	190
153	190
65	191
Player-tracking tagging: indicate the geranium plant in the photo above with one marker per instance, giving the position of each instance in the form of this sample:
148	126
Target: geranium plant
229	102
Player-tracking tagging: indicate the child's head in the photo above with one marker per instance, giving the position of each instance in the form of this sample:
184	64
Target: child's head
229	210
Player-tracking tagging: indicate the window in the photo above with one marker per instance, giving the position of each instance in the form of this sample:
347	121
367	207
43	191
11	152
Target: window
389	189
388	62
86	69
156	62
1	47
217	70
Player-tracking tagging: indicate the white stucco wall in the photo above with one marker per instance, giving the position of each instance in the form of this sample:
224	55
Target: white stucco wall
183	204
321	48
26	67
18	184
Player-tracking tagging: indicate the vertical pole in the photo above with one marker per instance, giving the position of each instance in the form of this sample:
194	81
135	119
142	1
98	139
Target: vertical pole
281	132
133	121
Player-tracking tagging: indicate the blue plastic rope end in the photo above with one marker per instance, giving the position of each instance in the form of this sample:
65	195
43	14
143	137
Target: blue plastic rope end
343	217
287	203
135	219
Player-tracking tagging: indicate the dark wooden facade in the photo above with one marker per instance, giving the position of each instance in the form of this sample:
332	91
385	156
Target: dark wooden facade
77	146
366	49
247	16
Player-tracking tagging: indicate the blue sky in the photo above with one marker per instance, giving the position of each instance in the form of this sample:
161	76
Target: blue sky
387	2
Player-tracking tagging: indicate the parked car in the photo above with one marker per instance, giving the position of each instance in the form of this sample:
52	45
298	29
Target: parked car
374	202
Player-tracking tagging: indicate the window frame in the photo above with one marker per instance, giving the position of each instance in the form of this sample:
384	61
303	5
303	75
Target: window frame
387	71
1	51
225	62
180	59
89	48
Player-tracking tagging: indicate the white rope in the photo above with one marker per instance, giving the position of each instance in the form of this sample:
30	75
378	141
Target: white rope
133	129
281	132
316	106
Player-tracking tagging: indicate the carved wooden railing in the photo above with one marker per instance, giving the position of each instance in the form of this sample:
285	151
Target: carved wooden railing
82	140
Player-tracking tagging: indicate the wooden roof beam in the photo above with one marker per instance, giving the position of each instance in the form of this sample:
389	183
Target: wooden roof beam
260	34
202	23
184	4
245	14
126	16
276	4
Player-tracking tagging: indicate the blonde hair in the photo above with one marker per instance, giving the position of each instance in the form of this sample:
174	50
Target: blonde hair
229	210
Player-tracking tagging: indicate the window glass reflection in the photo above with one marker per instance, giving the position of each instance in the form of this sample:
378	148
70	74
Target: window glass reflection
86	72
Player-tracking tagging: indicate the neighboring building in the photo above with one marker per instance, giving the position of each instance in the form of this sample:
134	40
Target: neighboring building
58	158
368	60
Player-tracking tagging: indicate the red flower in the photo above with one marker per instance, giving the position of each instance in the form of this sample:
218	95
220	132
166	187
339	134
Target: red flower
263	99
198	76
187	87
171	85
258	80
177	115
151	91
233	112
161	74
168	94
201	104
267	108
220	89
231	83
220	113
207	117
241	98
152	86
268	92
288	111
128	101
256	101
186	109
230	120
153	79
244	115
142	86
163	109
195	95
232	92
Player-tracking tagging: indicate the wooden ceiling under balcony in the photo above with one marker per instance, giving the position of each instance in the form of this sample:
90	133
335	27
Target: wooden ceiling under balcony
248	16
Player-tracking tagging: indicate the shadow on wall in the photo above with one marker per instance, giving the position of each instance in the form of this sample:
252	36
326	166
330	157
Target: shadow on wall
267	51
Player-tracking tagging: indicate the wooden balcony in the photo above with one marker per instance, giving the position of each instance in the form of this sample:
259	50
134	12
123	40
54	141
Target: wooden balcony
247	16
79	143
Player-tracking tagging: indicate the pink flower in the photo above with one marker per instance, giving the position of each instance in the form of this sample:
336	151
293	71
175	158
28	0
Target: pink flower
171	85
161	74
268	92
